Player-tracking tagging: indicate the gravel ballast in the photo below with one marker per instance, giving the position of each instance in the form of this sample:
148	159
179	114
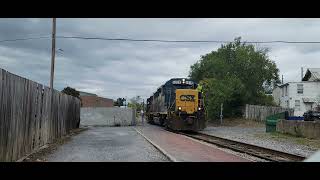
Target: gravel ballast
258	136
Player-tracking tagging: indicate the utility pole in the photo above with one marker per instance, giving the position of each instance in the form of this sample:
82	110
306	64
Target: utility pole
301	73
282	80
53	51
143	105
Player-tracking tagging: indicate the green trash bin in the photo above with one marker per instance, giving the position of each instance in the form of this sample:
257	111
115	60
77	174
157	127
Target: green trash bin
271	125
271	121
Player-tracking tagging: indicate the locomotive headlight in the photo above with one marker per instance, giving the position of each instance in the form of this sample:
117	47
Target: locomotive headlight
199	108
179	108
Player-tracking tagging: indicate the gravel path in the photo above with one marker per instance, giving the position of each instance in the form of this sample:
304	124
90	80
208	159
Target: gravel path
107	144
258	136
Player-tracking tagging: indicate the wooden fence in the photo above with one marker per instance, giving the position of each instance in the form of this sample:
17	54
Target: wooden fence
31	115
256	112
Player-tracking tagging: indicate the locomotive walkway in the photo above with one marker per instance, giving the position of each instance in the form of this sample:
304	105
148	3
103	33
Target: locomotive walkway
184	149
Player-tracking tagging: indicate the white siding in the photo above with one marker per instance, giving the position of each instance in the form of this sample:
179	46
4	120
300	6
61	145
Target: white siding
276	93
310	90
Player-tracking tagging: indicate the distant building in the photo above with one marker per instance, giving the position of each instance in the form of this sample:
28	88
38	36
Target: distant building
93	100
86	94
312	74
301	96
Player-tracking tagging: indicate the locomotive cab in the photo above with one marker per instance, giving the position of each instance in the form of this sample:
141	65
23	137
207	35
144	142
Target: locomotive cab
188	109
177	105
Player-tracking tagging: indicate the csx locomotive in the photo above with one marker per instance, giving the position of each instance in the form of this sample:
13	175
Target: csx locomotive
177	105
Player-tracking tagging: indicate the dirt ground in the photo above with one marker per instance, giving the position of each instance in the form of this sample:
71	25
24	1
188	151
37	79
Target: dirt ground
239	122
49	148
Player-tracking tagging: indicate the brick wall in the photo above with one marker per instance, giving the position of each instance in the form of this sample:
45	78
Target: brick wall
95	101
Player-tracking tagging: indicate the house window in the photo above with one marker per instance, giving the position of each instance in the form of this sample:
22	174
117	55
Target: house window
297	105
300	88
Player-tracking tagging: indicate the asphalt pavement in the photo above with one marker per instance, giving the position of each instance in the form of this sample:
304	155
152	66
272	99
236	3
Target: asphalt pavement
105	144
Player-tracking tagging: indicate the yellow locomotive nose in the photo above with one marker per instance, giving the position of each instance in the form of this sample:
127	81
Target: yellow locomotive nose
187	100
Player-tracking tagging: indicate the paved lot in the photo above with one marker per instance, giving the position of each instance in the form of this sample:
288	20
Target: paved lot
185	149
107	144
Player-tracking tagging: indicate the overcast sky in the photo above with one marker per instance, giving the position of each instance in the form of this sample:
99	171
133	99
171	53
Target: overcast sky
125	69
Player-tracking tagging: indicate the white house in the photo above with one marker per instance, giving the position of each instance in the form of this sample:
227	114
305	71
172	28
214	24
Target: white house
301	96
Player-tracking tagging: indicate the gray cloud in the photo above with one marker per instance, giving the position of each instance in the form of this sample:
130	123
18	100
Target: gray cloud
126	69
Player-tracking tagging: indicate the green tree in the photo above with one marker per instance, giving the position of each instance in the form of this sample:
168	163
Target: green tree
235	74
71	91
135	103
119	102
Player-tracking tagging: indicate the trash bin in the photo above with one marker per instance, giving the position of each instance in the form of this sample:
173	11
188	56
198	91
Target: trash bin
271	121
271	125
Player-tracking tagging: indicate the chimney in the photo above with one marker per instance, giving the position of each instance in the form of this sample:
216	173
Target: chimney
301	73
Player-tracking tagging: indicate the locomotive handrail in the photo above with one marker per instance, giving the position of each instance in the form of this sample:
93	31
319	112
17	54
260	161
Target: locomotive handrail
172	104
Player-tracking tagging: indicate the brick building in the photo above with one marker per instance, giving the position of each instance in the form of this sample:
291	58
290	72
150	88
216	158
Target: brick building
93	100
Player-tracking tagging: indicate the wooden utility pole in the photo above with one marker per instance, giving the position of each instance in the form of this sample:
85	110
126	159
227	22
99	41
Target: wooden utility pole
53	51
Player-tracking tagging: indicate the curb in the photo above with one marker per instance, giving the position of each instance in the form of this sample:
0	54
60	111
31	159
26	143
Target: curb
157	147
26	156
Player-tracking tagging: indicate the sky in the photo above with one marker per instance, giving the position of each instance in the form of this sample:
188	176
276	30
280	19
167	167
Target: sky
115	69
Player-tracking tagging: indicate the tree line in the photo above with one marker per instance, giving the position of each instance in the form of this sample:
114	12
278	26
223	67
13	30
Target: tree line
235	74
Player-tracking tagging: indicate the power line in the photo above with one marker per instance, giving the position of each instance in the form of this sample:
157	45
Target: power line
24	39
159	40
179	41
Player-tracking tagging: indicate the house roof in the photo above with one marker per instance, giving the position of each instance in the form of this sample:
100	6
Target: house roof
312	74
281	85
86	94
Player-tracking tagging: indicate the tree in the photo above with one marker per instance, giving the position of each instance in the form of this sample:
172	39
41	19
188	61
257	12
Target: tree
235	74
71	91
135	103
119	102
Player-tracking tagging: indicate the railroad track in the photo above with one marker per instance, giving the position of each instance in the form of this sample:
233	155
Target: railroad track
257	151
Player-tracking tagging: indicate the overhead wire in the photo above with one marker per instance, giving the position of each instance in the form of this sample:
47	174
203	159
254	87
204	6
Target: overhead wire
160	40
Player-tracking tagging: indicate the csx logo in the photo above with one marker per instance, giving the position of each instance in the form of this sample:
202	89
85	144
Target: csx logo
187	97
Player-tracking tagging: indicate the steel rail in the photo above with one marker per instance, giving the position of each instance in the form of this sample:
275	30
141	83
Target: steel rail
257	151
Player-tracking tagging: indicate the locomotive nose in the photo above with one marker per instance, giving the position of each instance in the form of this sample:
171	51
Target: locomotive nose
189	120
187	101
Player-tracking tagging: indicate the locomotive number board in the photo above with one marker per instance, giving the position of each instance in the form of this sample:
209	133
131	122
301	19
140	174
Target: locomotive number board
180	82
